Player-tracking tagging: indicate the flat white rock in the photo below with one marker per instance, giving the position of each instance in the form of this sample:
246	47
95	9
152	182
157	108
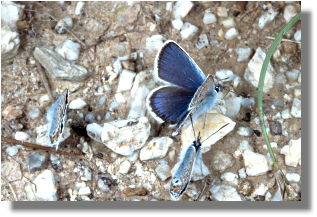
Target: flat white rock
121	136
182	8
125	80
155	148
256	164
225	192
78	103
188	31
46	189
69	50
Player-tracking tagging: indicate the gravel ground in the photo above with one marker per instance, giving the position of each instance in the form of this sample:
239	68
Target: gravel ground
105	57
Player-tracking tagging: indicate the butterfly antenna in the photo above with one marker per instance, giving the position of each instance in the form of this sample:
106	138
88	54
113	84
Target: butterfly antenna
216	132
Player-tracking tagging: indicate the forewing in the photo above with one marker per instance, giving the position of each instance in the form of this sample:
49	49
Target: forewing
175	66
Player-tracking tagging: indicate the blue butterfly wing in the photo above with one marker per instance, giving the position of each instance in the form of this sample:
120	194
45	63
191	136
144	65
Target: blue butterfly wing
171	103
175	66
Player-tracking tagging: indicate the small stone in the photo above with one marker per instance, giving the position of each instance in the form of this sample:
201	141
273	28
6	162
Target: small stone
121	136
292	75
113	106
252	73
222	12
131	192
12	150
286	114
293	177
143	83
163	171
169	6
182	8
296	108
155	42
90	117
256	164
228	23
225	75
12	112
188	31
37	161
79	8
231	33
229	177
21	136
177	24
34	113
156	148
58	67
267	17
69	50
279	104
126	80
225	192
245	131
10	43
243	54
222	161
10	14
244	145
209	18
242	173
233	105
63	24
46	189
298	35
289	12
78	103
84	191
260	190
102	100
213	126
202	42
292	153
124	167
275	128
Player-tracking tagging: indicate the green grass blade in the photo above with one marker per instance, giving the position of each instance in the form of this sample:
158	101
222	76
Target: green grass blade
266	62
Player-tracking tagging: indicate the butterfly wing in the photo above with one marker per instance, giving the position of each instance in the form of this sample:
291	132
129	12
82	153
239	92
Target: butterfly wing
169	103
175	66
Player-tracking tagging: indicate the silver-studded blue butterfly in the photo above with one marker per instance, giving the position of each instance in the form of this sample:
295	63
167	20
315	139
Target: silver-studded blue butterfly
187	91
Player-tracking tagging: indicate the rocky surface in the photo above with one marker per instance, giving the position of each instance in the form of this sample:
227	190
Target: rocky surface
106	61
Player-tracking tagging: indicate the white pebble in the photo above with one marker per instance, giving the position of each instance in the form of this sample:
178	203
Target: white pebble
292	152
34	113
79	8
63	24
245	131
296	108
84	191
124	167
298	35
119	98
188	31
230	177
126	80
242	173
222	12
182	8
155	42
225	192
209	18
231	33
243	54
293	177
156	148
78	103
202	42
225	75
289	12
228	23
256	164
46	189
292	75
163	171
169	6
177	24
11	13
286	114
12	150
69	50
267	17
21	136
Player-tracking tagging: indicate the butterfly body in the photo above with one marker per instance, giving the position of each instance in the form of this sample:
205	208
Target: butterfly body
56	117
184	171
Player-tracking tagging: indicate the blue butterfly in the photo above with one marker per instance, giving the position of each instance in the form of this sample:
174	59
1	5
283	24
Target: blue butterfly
187	91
